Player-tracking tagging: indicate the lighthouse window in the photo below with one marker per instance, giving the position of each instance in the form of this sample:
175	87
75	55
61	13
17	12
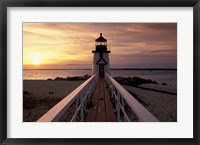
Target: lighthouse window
100	43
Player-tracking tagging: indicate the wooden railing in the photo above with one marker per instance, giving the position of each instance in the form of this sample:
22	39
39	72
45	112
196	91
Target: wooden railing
79	96
119	94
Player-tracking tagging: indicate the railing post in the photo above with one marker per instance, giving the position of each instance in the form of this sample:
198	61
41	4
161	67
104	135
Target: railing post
112	92
82	108
118	106
109	85
122	102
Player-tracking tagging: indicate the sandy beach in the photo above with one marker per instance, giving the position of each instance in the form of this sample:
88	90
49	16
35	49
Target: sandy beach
162	105
41	95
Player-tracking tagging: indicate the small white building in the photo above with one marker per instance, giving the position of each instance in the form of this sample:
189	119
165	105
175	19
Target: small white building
101	63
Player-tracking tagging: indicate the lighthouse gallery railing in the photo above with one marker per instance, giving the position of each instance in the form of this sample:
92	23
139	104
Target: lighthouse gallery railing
120	95
79	96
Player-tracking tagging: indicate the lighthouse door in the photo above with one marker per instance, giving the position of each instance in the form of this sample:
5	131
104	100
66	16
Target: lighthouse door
101	70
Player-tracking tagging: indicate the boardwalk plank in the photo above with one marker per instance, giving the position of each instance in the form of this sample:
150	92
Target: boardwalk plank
109	108
103	109
91	117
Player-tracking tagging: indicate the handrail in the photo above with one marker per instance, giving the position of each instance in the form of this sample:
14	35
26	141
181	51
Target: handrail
55	113
142	113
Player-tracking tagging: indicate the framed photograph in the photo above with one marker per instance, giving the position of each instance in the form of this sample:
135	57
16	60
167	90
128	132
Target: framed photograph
99	72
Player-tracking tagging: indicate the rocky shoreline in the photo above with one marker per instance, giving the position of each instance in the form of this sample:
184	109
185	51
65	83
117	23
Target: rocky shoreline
74	78
135	81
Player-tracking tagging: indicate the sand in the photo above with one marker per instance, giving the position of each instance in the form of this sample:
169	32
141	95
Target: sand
40	96
162	105
171	89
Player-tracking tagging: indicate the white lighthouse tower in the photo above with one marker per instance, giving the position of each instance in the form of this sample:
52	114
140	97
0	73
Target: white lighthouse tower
101	63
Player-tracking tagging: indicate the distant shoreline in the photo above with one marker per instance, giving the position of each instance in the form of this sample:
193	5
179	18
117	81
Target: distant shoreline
150	69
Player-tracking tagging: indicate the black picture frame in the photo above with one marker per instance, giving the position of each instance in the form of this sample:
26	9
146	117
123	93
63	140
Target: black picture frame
97	3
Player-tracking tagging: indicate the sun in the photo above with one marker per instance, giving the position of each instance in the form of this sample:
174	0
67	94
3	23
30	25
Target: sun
36	62
35	59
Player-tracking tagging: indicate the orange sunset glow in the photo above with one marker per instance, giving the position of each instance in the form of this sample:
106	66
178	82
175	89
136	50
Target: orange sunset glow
69	45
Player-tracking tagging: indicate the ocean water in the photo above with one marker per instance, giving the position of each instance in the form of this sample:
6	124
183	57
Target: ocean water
161	76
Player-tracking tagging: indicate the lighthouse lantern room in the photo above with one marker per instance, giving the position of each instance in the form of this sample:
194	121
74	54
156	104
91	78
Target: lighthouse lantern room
101	62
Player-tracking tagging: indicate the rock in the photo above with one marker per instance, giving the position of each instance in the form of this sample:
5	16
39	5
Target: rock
140	81
86	76
74	78
77	78
165	84
59	79
134	81
49	79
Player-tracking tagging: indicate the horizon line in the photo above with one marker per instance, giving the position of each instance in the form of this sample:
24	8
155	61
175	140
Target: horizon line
110	69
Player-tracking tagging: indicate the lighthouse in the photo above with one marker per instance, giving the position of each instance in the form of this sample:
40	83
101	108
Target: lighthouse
101	63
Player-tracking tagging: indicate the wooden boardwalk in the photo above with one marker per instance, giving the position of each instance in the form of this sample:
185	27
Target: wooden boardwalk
102	110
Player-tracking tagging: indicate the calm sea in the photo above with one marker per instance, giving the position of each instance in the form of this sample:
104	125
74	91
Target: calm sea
167	76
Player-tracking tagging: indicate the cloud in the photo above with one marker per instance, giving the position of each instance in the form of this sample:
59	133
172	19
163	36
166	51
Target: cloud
73	42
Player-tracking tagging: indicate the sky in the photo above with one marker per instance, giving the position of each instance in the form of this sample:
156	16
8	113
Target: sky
69	45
